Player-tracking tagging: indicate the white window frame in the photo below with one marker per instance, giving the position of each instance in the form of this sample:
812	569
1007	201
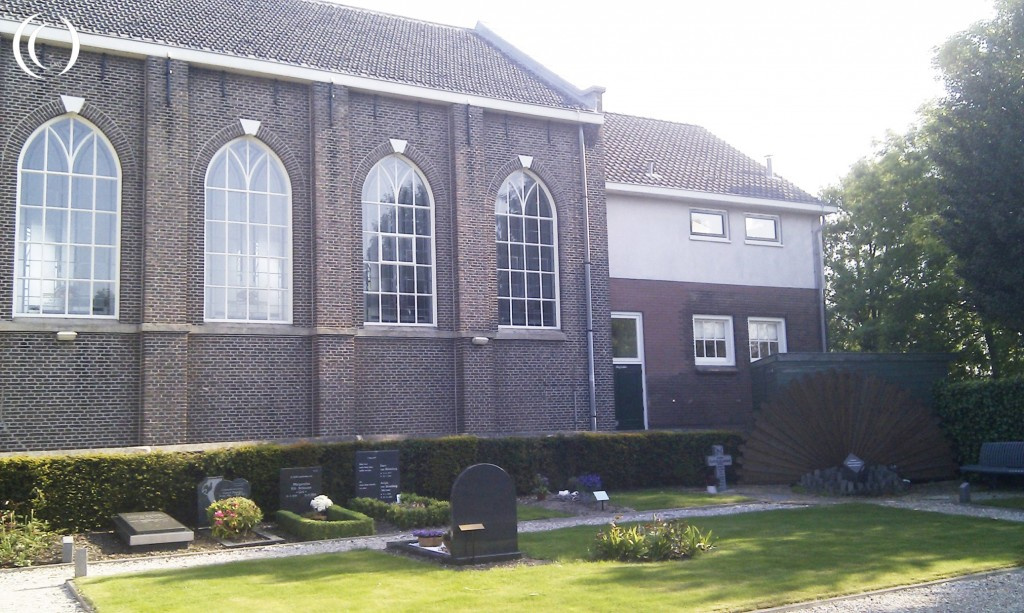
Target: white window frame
555	255
116	246
780	322
730	345
433	249
768	242
288	284
700	236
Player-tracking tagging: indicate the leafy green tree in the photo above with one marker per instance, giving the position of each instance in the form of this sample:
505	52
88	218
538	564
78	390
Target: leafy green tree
977	144
891	283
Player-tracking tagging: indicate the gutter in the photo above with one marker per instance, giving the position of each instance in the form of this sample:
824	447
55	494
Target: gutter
588	287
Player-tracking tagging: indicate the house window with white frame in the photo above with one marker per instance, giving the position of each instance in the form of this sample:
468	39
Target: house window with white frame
713	341
706	224
248	235
398	245
527	256
767	337
763	228
67	239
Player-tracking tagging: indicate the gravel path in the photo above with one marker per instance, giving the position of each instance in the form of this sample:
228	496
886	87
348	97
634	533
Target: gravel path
44	588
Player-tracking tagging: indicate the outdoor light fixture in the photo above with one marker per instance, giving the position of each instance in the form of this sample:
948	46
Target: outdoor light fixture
67	335
480	340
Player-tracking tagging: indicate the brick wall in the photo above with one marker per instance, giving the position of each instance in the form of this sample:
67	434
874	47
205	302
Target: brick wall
188	381
681	394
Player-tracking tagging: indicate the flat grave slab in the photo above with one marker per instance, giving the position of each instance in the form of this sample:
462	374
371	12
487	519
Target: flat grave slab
151	528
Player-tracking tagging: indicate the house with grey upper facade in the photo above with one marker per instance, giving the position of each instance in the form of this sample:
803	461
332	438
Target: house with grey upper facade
299	220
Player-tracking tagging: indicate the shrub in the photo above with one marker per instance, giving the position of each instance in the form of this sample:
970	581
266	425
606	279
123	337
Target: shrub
413	512
232	517
24	539
340	523
980	411
651	542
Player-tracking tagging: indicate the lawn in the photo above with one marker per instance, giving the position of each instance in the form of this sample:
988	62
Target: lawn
1004	503
526	512
763	559
670	498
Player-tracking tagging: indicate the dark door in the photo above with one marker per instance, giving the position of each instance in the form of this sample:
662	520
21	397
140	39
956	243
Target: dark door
628	360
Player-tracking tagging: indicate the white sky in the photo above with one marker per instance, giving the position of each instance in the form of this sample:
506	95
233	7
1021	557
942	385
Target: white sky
815	83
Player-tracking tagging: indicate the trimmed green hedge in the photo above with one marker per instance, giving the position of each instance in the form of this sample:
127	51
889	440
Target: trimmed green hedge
980	411
82	492
341	523
414	512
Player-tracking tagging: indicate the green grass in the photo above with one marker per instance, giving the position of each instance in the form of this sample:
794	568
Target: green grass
526	512
1004	503
764	559
670	498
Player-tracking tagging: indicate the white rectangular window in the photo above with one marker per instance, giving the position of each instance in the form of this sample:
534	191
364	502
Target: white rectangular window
709	224
713	341
767	337
763	229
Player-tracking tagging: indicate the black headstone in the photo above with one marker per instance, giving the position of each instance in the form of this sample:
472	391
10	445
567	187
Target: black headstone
484	527
212	489
298	487
377	475
151	528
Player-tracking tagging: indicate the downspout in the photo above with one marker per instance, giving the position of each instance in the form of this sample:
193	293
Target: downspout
588	288
819	248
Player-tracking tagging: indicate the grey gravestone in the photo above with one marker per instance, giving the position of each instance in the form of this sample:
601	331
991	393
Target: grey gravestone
212	489
298	487
719	460
151	528
484	527
854	467
377	475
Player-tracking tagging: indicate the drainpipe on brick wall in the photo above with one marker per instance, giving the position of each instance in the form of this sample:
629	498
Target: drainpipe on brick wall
587	283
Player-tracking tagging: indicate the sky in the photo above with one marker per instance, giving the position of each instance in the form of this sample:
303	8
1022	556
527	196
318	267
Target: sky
814	83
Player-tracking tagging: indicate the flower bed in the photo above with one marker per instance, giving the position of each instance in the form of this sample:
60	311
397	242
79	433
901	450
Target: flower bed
340	523
413	512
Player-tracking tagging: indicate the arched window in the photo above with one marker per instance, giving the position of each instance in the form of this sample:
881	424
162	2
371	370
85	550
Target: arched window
527	254
398	244
68	228
248	235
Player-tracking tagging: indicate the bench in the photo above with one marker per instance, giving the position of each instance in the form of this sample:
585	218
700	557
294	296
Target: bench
998	459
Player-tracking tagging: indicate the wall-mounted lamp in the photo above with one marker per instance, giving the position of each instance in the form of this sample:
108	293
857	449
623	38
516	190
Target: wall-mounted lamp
480	340
67	335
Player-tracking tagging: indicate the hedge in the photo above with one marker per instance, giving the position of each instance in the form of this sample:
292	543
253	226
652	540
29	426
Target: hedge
82	492
340	523
413	512
980	411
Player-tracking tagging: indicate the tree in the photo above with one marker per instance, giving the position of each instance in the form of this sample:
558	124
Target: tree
977	144
891	282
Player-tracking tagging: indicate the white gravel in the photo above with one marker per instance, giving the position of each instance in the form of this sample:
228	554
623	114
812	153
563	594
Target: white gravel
44	589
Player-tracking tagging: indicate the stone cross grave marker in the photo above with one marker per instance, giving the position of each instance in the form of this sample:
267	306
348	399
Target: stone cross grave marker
719	460
377	475
212	489
484	527
298	486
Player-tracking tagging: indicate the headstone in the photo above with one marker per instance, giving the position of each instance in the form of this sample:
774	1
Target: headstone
965	493
212	489
854	467
719	460
377	475
150	528
298	486
484	527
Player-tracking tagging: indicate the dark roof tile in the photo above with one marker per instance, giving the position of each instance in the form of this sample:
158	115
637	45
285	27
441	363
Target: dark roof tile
687	157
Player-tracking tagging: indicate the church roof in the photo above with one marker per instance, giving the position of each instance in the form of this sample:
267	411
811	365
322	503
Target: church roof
687	157
316	34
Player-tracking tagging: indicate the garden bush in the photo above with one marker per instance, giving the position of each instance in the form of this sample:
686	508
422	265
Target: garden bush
233	517
413	512
651	542
980	411
82	492
340	523
24	539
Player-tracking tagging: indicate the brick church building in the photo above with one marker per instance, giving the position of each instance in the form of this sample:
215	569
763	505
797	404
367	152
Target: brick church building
308	220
